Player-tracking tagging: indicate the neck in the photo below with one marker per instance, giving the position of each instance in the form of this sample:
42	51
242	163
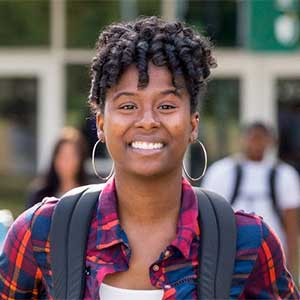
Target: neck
67	184
256	158
148	200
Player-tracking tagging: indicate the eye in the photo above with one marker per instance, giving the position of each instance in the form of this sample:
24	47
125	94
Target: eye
166	106
128	106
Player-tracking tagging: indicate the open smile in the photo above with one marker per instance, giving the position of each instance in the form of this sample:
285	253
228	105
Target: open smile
141	145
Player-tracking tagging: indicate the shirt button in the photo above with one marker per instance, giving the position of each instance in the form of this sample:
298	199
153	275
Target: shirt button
167	253
88	271
155	268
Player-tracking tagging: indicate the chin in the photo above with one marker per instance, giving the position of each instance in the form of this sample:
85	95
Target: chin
152	173
148	174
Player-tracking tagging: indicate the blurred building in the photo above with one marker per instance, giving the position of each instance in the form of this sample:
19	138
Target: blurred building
46	47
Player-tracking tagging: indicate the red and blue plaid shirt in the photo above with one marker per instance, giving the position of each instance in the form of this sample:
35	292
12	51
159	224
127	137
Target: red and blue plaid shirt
25	267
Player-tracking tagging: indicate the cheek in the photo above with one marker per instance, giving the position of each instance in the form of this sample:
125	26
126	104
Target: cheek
115	135
61	165
74	161
113	129
112	120
181	126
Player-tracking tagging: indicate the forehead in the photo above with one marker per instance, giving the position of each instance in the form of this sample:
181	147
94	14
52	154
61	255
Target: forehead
67	146
257	133
159	78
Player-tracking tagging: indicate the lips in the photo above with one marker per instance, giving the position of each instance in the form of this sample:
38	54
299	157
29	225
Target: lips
146	145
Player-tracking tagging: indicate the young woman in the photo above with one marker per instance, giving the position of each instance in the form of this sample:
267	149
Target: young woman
144	236
66	168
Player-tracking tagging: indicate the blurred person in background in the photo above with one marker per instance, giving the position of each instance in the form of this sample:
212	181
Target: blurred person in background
254	182
66	169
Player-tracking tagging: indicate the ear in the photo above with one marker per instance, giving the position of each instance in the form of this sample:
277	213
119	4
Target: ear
100	126
194	125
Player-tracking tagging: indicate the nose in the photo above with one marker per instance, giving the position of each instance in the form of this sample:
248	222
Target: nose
147	120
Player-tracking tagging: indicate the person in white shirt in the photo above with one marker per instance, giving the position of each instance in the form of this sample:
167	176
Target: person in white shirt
255	183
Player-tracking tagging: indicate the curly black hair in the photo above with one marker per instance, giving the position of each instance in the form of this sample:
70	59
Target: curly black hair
185	52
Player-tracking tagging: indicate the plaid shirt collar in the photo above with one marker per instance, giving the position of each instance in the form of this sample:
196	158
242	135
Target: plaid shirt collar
110	231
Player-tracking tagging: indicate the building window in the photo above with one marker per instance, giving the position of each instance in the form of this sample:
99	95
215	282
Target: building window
85	20
218	19
16	23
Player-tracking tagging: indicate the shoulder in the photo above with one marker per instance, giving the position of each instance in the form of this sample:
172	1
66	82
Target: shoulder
38	212
30	229
249	232
270	275
220	175
222	166
41	218
33	225
287	186
286	170
253	232
248	241
228	162
260	262
257	246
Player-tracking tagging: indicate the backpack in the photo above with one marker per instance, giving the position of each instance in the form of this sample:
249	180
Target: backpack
272	193
70	227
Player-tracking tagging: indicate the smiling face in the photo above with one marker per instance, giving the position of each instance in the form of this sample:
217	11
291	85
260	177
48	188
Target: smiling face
147	130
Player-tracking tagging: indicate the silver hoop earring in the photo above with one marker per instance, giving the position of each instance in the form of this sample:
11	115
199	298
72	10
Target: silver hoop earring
94	164
204	167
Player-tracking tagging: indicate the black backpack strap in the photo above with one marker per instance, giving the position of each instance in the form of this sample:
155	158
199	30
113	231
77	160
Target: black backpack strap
238	180
272	178
70	227
218	245
68	237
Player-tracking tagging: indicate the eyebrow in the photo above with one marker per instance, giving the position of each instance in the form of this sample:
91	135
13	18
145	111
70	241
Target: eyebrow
122	94
174	91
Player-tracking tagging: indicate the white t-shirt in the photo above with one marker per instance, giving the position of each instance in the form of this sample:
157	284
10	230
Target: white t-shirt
108	292
254	188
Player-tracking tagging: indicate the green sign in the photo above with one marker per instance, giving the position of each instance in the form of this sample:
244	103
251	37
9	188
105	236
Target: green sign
273	25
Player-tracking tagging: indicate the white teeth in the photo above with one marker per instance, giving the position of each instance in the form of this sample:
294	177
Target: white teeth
146	146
